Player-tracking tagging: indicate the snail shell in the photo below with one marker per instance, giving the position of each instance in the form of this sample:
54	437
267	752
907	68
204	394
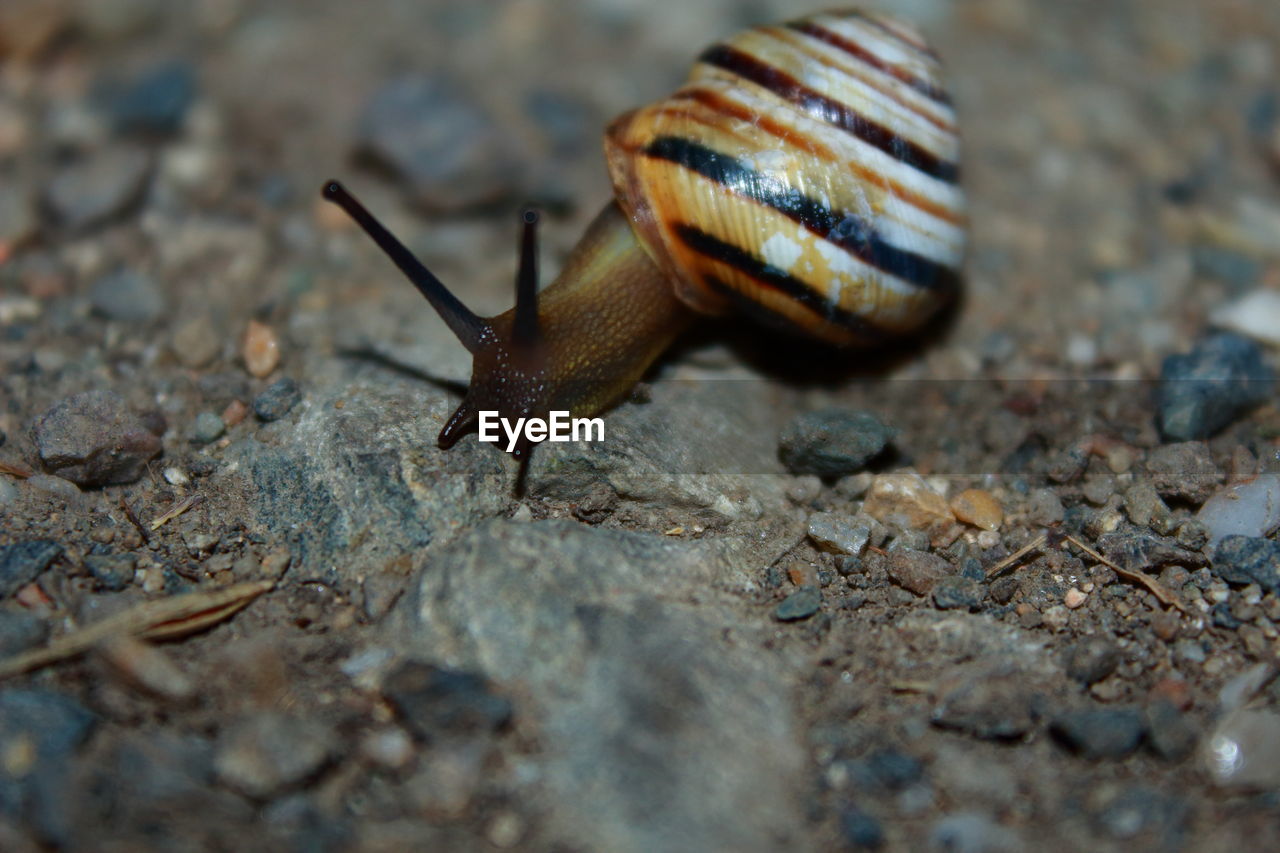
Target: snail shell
806	172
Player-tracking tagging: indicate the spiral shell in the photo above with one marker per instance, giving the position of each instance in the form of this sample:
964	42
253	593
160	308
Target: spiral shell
805	172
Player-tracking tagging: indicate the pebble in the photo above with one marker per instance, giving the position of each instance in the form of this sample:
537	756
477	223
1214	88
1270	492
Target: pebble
1092	660
1185	471
17	218
1246	560
860	830
800	604
195	343
1255	315
444	147
113	572
390	748
903	500
970	832
92	439
832	442
1045	507
1073	598
21	630
23	562
992	707
235	412
40	733
261	350
1100	732
1242	752
8	492
148	668
1249	508
438	703
127	297
916	571
207	428
1203	391
957	593
267	753
979	508
1144	507
834	533
1002	590
155	102
101	187
52	485
276	400
1170	734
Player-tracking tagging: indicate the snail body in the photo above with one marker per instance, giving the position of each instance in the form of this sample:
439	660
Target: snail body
805	174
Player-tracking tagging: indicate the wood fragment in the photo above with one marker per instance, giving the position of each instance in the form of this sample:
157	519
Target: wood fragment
135	521
182	506
1153	586
14	470
1009	561
162	619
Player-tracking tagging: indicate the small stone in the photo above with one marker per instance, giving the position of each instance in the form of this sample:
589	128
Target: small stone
916	571
196	343
1169	733
17	217
261	350
1098	489
992	707
836	534
267	753
1144	507
1245	560
389	748
957	593
23	562
148	668
970	832
1255	314
903	500
175	476
93	439
127	297
155	102
21	630
1248	508
207	428
8	492
1100	733
1243	751
1003	589
979	508
440	703
860	830
94	190
1201	392
832	442
52	485
1055	618
441	144
1185	471
1092	660
1044	507
113	572
800	604
234	413
40	734
1073	598
276	400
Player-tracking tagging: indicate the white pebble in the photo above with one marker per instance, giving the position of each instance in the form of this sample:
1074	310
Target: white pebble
1250	508
176	476
1256	314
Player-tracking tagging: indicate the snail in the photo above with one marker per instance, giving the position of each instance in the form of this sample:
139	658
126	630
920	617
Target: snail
806	174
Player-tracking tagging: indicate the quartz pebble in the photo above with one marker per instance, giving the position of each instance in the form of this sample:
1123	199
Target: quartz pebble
1249	508
979	508
1256	315
905	501
833	533
261	350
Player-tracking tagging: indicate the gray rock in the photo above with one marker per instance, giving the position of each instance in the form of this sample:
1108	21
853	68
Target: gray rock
991	706
439	703
127	296
113	572
208	428
440	142
49	729
267	753
800	604
917	571
834	533
1100	732
1136	812
93	439
1170	734
969	832
8	492
1092	660
1185	471
94	190
276	400
20	630
655	730
1246	559
23	562
1220	379
832	442
860	830
957	593
154	102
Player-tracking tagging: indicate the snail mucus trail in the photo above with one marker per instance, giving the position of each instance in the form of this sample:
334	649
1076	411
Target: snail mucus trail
578	346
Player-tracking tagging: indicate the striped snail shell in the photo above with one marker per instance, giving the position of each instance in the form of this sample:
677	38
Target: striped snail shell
806	171
806	174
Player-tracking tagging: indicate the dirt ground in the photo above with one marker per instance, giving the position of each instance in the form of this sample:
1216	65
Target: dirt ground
246	603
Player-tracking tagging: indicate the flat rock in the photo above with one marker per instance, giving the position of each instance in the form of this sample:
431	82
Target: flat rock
93	439
1100	732
1184	471
1246	560
832	442
656	728
917	571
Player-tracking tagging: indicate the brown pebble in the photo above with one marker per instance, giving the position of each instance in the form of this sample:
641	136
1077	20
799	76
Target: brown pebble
979	508
903	499
803	575
147	667
1175	691
1074	598
916	571
261	349
1165	624
234	413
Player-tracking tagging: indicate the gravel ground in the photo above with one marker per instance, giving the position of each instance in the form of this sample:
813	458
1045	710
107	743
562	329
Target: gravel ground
1012	584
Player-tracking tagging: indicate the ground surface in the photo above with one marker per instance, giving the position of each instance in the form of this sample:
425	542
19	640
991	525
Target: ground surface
672	642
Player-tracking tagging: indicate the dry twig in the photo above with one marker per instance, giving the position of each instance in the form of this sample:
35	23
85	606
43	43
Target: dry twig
182	506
